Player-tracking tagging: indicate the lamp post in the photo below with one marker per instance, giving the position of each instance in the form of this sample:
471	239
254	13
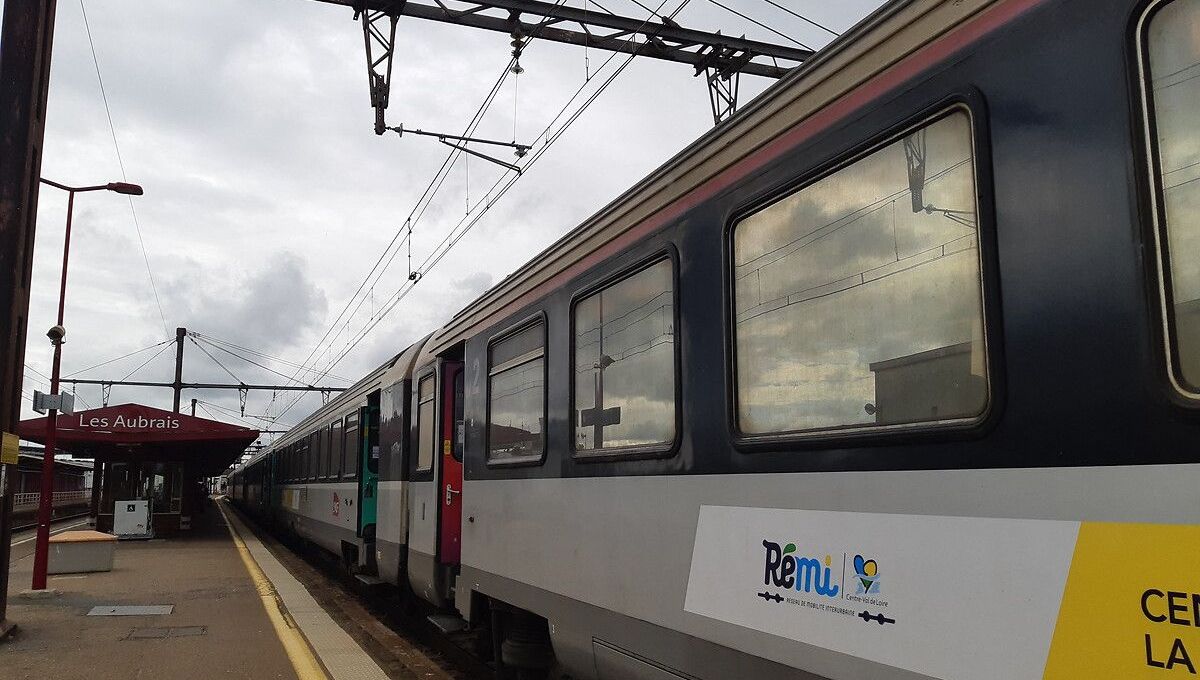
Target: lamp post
46	499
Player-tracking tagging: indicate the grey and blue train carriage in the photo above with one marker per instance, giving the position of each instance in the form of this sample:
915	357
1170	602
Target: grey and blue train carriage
893	375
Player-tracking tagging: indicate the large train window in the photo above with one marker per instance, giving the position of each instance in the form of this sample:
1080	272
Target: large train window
353	448
391	429
858	298
337	448
425	422
517	395
624	364
314	455
323	440
1172	64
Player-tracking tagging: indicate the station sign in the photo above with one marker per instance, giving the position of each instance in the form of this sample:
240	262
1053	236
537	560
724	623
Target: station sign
125	421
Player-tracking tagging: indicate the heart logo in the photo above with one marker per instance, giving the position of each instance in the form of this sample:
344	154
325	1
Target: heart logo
866	570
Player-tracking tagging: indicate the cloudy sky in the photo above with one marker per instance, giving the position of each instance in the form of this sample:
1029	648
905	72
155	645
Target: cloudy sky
269	197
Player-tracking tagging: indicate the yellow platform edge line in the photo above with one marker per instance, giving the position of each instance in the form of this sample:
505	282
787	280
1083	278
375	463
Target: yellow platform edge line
300	653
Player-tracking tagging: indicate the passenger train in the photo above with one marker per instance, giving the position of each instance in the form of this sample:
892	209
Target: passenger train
893	375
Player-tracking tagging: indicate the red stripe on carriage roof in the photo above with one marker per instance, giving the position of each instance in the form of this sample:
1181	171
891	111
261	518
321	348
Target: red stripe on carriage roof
895	75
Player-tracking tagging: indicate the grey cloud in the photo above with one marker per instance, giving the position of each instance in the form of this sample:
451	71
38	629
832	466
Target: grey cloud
268	196
264	309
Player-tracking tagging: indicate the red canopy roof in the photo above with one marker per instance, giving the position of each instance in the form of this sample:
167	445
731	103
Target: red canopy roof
136	432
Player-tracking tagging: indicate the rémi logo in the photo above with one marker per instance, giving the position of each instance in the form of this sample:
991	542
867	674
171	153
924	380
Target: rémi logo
785	569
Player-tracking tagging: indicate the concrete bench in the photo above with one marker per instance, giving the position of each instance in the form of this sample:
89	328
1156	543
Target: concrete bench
74	552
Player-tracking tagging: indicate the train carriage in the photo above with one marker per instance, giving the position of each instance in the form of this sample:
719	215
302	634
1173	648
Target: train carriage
895	374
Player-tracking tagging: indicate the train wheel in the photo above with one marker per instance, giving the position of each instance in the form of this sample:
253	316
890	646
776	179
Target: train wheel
525	650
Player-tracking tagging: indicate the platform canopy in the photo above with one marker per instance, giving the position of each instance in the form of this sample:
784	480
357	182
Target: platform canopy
137	433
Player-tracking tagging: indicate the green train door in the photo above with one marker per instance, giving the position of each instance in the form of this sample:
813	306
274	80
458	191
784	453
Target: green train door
368	457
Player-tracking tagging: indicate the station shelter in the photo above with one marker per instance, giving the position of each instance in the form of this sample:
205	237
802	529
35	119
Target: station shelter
143	453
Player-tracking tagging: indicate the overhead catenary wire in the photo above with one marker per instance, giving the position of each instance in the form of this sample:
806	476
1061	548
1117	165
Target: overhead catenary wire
253	352
803	18
38	373
121	162
195	339
143	364
459	231
123	356
403	235
456	234
79	396
228	413
758	23
652	12
216	361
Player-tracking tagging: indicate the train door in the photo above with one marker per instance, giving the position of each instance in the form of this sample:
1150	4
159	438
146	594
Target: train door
450	544
368	464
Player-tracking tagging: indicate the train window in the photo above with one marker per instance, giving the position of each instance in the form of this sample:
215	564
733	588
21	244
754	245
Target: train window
425	423
388	426
314	456
337	448
1173	88
517	395
353	450
323	453
858	298
624	373
303	473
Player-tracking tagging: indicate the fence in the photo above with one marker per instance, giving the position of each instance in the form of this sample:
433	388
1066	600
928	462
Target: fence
26	501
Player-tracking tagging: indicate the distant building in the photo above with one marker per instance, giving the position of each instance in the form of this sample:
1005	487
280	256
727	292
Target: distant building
1187	323
936	384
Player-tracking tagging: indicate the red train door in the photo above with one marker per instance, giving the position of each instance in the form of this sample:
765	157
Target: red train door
451	457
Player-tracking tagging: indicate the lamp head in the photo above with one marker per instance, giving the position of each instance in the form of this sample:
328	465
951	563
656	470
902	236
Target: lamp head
124	188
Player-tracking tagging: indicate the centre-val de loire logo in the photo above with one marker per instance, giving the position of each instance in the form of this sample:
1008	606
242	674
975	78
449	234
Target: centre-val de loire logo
785	567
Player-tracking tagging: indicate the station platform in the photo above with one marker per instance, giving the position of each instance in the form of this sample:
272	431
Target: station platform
234	612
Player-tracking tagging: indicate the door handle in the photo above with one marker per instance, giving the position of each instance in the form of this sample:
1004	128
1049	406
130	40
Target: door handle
450	491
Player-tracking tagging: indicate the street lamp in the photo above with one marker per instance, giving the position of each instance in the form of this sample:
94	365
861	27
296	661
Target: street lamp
56	334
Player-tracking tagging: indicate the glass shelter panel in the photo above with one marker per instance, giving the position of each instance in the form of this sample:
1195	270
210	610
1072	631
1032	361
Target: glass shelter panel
1174	85
858	298
624	339
517	395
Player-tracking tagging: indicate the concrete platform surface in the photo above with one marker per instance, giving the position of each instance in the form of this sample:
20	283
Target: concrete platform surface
217	628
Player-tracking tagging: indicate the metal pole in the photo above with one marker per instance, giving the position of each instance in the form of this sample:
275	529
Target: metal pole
6	508
180	334
25	41
41	553
97	485
193	407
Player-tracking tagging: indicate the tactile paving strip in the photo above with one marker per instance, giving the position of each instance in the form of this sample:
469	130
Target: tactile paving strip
342	657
